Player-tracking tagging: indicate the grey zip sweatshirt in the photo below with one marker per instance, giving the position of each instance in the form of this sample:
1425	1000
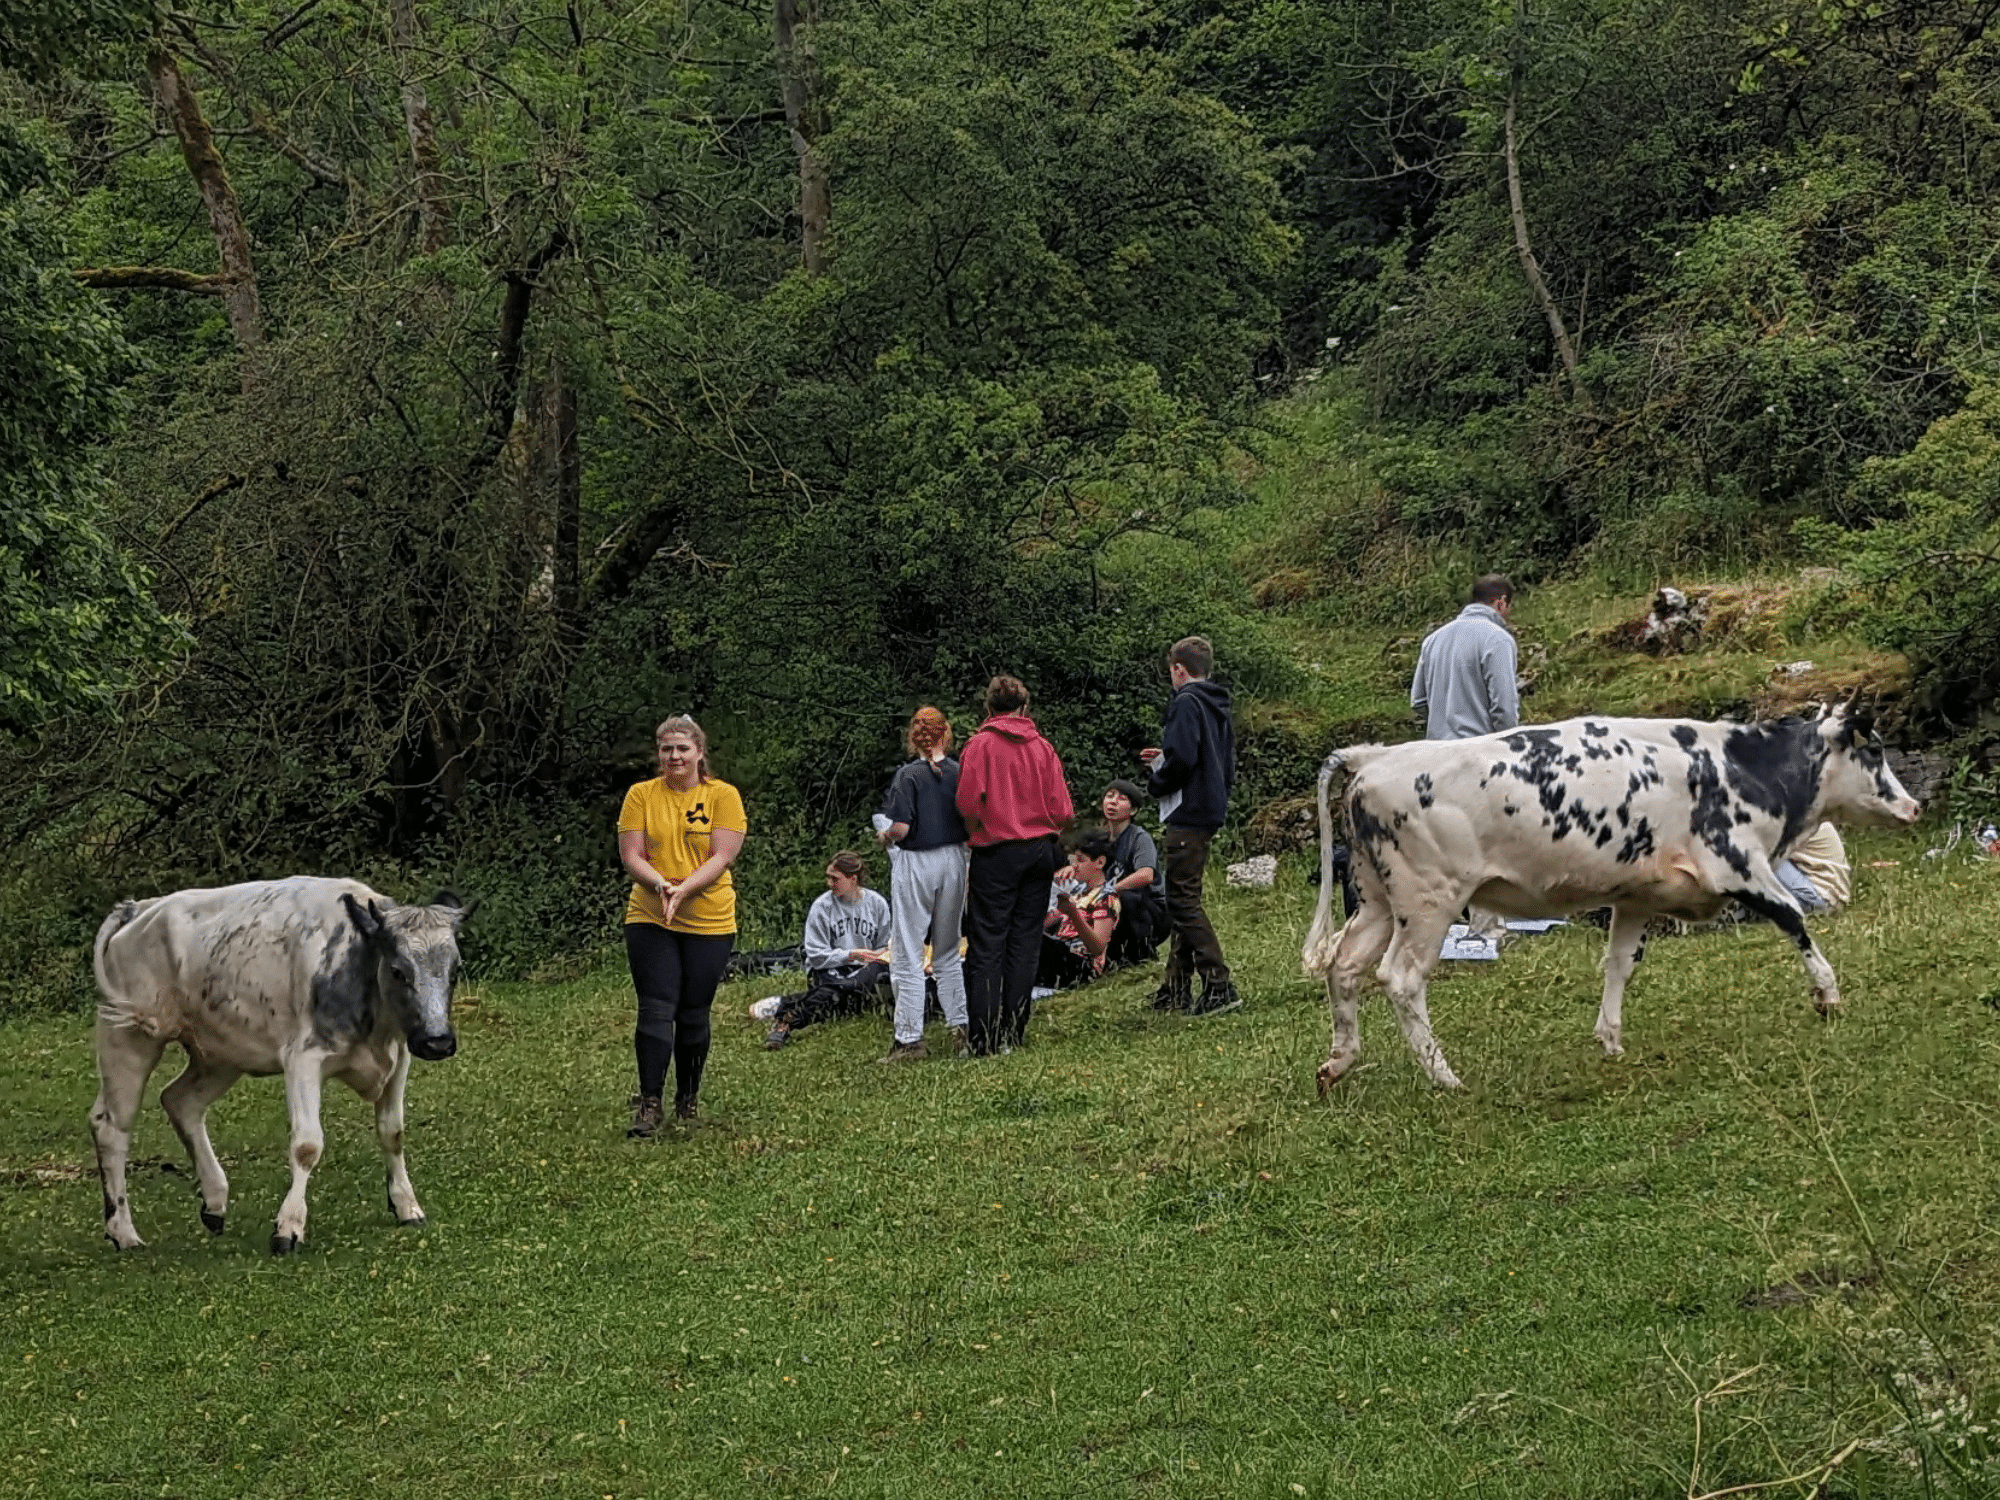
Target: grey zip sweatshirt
1465	677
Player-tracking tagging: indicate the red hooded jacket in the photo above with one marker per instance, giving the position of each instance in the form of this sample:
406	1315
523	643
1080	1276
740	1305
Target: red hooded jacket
1010	783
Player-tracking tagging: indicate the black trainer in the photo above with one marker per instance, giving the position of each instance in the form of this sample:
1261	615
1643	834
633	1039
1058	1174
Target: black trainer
1171	996
1215	999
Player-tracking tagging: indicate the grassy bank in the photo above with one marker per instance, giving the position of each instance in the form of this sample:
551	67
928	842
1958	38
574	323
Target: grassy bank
1138	1257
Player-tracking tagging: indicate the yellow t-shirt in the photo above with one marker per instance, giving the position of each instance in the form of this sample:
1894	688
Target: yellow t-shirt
677	827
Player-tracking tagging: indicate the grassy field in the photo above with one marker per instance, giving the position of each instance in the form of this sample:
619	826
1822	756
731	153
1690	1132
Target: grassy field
1137	1257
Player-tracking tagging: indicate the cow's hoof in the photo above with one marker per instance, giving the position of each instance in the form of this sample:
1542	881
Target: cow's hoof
1827	1004
284	1244
134	1243
1331	1072
211	1222
417	1221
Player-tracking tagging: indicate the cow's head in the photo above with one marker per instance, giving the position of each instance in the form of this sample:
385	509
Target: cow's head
416	963
1857	784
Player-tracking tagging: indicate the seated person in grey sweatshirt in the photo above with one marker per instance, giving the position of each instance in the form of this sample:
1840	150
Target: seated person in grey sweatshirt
847	952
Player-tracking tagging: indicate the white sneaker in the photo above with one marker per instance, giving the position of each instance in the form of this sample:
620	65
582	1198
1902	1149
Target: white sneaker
1040	992
766	1008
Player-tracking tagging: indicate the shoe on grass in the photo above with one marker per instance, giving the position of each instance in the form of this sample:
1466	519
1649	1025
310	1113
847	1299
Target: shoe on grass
1215	999
684	1109
776	1037
904	1052
1171	996
767	1008
961	1043
647	1115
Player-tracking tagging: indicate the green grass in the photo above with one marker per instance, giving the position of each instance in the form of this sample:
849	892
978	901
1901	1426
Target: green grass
1138	1257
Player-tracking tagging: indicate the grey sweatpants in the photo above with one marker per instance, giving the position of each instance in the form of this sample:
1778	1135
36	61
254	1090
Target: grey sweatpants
926	904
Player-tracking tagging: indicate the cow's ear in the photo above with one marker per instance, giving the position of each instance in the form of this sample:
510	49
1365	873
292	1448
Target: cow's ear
367	919
446	897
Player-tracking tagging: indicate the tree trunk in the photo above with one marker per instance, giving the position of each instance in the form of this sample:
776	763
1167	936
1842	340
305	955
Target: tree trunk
798	81
225	216
432	210
569	517
1530	267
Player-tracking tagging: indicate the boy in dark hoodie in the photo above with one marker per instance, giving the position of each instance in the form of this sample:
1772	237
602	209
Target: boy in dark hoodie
1015	802
1191	771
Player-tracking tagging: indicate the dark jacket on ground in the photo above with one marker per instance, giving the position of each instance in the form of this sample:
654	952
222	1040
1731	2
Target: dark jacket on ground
1199	747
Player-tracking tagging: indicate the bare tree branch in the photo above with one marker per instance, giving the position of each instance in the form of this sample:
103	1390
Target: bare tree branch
156	278
225	215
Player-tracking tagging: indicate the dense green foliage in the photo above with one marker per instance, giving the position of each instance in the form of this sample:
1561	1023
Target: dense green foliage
503	376
75	622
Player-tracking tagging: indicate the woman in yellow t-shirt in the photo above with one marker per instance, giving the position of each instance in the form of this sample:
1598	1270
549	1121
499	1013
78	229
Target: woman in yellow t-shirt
677	835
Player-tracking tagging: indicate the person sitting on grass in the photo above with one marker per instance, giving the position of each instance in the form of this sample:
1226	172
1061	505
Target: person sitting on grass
847	952
1077	932
1137	875
1815	870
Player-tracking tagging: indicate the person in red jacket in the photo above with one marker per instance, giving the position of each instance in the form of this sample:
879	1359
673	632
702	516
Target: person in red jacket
1015	804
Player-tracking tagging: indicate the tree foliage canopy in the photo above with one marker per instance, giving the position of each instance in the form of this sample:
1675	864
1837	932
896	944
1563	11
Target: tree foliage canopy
506	374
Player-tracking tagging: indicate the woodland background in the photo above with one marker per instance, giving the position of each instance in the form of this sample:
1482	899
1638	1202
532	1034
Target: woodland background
407	404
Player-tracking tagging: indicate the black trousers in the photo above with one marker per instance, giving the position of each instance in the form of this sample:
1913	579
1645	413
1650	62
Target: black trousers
1007	895
1194	949
1142	922
828	997
675	975
1060	969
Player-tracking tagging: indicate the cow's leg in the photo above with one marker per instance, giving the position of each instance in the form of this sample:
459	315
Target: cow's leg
125	1060
1771	900
186	1101
1406	971
302	1090
1621	954
1357	948
389	1131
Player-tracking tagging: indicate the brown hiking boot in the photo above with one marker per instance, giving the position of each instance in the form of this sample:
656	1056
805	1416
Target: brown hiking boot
961	1044
684	1109
647	1115
904	1052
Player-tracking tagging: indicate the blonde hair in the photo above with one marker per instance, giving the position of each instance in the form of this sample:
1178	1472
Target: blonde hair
682	724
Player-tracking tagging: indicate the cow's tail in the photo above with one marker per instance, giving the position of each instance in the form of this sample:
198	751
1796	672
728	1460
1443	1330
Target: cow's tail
1323	941
120	918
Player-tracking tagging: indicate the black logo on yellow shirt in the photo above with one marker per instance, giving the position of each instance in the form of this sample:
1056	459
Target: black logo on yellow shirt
697	814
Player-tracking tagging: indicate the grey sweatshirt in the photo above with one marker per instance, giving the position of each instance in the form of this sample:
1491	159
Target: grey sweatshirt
1465	677
833	927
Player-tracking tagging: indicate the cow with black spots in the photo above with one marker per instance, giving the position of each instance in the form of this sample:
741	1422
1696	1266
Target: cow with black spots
1651	817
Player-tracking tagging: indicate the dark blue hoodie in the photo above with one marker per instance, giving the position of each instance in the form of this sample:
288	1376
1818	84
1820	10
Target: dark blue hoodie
1199	745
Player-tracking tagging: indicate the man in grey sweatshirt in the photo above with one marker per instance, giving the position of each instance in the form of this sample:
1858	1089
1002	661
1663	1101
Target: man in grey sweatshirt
1465	671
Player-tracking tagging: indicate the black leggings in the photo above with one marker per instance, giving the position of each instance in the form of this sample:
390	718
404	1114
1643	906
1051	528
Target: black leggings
675	974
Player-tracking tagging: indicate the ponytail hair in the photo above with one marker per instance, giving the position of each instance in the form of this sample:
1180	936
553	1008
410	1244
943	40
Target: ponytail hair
682	724
849	864
928	730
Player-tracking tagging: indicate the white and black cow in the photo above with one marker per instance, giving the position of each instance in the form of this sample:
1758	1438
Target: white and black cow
1651	817
311	978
